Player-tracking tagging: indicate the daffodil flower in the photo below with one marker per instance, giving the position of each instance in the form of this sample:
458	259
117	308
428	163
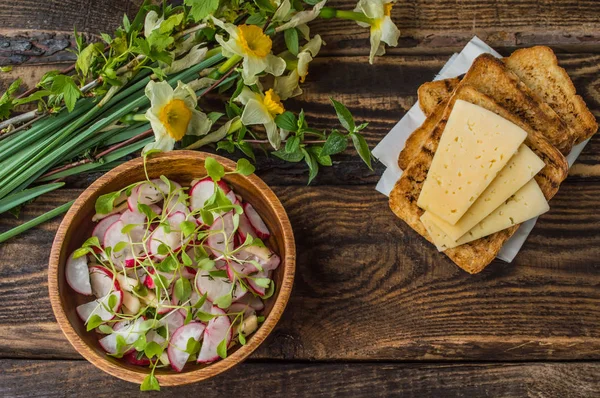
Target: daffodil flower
262	109
173	114
288	86
254	46
383	30
299	18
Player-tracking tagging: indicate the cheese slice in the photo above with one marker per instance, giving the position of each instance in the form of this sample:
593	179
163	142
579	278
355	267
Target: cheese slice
527	203
521	168
475	145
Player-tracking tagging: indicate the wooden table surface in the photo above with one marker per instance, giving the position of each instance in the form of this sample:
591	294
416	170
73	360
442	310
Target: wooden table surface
375	309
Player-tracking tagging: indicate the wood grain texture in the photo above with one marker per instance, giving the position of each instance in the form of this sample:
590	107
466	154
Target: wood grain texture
368	287
75	378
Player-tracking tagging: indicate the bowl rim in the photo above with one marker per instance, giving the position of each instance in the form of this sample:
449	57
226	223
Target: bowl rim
173	379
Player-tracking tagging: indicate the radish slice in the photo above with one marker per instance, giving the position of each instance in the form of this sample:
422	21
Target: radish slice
172	321
173	239
236	308
232	198
259	226
258	289
217	287
218	329
244	269
252	301
103	225
133	359
203	190
112	237
99	307
265	257
245	228
176	351
221	242
102	281
131	332
77	274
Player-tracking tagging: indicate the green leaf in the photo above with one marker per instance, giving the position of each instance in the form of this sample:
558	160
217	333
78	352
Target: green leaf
317	152
200	302
105	203
244	167
150	383
287	121
93	322
107	38
336	143
140	343
82	251
153	349
38	95
66	86
91	242
171	23
362	148
288	157
344	115
201	9
121	344
87	56
262	282
265	5
188	228
256	19
147	211
292	144
291	40
224	301
214	169
269	292
246	149
105	329
127	229
313	165
183	289
242	338
119	246
206	264
221	273
222	349
204	316
192	346
6	101
112	301
187	261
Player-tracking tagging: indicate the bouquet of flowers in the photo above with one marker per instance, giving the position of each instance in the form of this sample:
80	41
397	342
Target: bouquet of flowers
142	88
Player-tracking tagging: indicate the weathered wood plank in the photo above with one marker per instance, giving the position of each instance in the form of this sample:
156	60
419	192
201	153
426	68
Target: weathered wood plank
78	378
369	288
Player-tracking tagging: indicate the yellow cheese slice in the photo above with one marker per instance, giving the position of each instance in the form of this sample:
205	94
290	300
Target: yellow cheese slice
527	203
475	145
521	168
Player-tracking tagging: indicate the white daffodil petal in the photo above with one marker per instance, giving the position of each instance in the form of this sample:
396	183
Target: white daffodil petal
194	56
159	93
302	17
252	66
186	94
273	134
202	83
255	113
313	46
185	45
375	44
283	134
304	30
152	22
246	95
215	136
372	8
304	59
157	126
164	144
358	8
389	32
282	11
231	29
274	65
287	86
228	48
200	124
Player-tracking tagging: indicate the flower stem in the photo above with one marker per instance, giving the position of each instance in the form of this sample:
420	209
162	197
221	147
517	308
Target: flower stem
328	13
225	67
308	142
215	84
134	117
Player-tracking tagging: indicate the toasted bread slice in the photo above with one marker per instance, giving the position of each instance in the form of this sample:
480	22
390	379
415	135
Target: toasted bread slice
474	256
431	94
538	68
418	137
490	76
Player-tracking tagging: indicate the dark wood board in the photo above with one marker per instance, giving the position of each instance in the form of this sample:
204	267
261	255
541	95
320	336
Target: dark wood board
78	378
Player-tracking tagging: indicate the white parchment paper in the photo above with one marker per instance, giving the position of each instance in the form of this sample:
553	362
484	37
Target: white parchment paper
389	148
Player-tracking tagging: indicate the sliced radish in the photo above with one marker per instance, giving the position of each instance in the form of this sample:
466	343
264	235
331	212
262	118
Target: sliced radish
131	332
176	351
77	274
99	307
217	287
245	228
217	330
244	269
259	226
148	280
153	335
134	360
203	190
236	308
258	289
265	257
127	283
103	225
252	301
173	239
172	320
124	257
102	281
222	241
232	198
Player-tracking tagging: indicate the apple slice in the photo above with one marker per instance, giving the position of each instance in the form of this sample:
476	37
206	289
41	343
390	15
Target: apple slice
259	226
99	307
176	351
78	275
217	330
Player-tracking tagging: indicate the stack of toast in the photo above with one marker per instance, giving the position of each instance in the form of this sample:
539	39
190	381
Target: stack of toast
528	89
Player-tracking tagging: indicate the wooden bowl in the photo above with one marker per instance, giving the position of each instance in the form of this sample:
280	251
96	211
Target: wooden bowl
183	167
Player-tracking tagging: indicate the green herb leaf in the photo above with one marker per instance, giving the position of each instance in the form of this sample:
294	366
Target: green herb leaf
244	167
222	349
127	229
105	203
91	242
119	246
287	121
292	144
112	301
219	274
153	349
121	344
242	338
223	301
204	316
87	56
65	85
321	159
150	383
262	282
265	5
344	115
183	289
192	346
336	143
188	228
200	302
214	169
187	261
82	251
313	165
291	40
362	148
93	322
206	264
105	329
201	9
140	343
288	157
